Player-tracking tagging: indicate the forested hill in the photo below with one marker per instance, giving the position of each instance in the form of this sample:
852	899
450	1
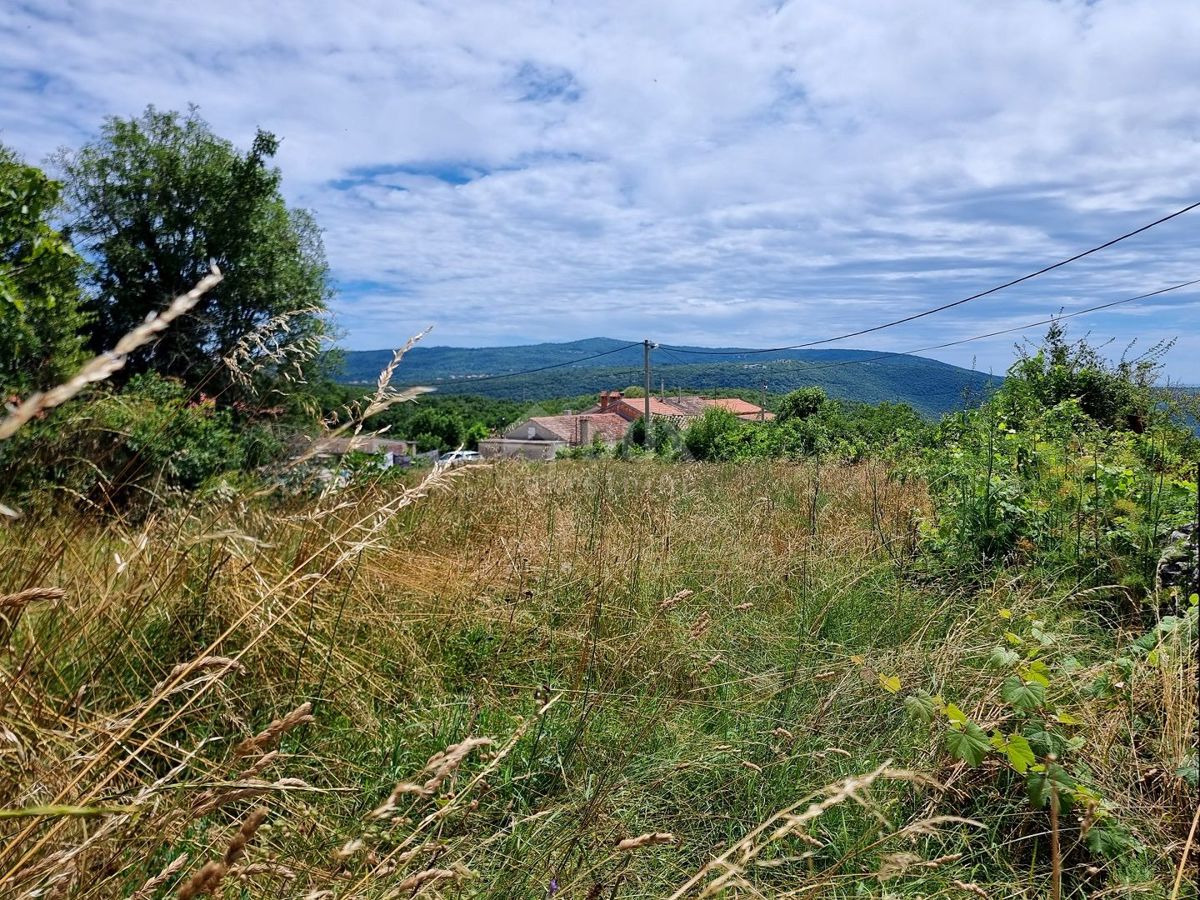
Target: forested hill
930	386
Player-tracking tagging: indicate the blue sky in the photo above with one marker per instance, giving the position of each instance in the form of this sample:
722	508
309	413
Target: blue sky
729	172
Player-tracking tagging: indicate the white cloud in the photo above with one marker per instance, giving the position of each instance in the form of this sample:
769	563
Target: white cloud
697	172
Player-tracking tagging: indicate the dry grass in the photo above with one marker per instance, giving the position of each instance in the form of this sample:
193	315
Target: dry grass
496	684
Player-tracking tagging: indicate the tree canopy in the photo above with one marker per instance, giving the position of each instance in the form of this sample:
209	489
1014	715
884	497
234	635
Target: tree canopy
154	200
39	297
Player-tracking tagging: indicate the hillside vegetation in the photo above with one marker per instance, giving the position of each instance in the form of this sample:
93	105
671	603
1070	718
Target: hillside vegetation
931	387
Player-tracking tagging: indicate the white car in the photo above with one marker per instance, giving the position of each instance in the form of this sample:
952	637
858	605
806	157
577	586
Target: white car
459	458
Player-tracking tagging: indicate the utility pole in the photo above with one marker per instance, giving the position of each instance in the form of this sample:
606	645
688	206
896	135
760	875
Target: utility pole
647	346
762	407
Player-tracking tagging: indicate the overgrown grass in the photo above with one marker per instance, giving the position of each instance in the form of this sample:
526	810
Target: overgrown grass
658	649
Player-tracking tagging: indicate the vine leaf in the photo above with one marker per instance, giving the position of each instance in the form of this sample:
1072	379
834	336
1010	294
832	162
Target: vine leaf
1039	783
1023	696
1036	670
1002	658
920	706
955	715
969	744
890	683
1019	753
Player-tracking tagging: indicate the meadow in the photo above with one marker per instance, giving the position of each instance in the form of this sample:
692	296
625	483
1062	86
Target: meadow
586	679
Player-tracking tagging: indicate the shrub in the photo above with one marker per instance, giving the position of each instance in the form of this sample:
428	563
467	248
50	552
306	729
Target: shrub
152	437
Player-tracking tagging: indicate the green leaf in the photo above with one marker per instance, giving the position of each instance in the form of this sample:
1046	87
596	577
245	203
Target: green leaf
955	715
1035	670
920	706
1111	841
1019	753
969	744
1023	696
890	683
1002	658
1039	785
1043	741
1012	638
1065	718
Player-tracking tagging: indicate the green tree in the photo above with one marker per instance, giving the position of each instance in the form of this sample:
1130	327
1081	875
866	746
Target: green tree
40	319
1117	395
155	199
801	403
711	436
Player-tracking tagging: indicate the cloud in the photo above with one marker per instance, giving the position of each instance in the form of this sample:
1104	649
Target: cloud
696	172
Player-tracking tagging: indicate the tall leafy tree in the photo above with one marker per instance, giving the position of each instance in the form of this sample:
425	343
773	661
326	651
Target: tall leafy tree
802	403
155	199
40	318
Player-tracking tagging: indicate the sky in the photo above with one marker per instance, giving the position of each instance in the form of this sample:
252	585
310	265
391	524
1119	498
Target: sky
734	173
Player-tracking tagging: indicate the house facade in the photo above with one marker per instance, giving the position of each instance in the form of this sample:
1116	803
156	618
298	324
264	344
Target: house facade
391	452
541	437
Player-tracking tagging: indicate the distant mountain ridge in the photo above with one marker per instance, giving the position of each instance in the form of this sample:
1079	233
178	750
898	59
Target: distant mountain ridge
869	376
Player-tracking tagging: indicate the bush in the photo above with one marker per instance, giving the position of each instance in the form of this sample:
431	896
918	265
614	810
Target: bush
152	438
1088	485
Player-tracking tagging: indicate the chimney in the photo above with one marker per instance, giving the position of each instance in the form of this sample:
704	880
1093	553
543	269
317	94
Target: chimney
585	437
603	401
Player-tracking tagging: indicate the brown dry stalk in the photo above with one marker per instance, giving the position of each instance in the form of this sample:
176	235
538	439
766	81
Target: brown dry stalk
1184	858
27	848
262	868
893	865
267	738
677	598
787	821
441	813
442	764
647	840
150	888
970	887
21	599
213	799
258	766
208	879
414	882
1055	851
104	365
223	663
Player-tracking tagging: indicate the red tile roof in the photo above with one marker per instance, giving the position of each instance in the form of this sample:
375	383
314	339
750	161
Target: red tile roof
695	406
631	408
609	426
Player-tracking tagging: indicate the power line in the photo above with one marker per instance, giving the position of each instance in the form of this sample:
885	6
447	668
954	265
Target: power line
945	306
887	354
978	337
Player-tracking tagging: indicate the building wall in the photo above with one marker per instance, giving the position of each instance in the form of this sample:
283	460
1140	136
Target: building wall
509	448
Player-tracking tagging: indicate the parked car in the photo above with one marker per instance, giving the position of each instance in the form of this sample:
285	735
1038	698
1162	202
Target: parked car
459	458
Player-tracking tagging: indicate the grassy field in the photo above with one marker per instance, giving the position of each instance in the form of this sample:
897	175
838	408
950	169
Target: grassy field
589	679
